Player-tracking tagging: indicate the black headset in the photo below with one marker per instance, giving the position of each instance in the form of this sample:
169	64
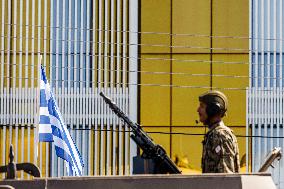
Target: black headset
213	109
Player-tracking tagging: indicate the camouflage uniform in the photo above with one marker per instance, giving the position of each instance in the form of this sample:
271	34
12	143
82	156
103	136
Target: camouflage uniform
220	150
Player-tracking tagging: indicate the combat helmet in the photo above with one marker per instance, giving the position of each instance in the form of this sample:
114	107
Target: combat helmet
216	101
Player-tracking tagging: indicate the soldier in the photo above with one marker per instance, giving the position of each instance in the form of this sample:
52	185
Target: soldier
220	148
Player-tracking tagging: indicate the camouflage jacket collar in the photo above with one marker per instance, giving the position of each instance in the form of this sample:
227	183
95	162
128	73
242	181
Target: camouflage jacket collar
215	125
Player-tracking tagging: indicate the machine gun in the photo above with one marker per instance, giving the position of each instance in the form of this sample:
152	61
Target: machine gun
162	163
274	154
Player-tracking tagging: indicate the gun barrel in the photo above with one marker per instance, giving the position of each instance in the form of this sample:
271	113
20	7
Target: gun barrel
118	111
150	149
275	153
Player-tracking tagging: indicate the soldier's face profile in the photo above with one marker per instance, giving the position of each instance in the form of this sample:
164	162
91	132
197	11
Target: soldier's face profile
202	112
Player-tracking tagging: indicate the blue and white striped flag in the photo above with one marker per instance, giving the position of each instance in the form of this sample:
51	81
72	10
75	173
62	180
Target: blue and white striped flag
53	129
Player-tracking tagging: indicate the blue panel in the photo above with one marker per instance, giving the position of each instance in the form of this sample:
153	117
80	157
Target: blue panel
70	28
259	25
252	27
272	25
253	70
278	70
272	75
282	63
265	35
72	25
59	70
59	29
259	69
265	72
77	29
278	35
53	26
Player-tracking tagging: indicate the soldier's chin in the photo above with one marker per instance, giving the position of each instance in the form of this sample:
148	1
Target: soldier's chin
203	121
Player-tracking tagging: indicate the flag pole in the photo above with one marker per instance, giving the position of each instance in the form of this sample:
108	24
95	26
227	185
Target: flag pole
36	141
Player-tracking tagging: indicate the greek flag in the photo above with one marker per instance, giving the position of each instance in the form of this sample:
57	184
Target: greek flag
53	129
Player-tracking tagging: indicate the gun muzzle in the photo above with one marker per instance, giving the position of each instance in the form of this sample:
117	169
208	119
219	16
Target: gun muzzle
275	154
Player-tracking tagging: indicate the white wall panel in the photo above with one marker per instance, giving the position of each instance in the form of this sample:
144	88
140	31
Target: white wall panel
265	95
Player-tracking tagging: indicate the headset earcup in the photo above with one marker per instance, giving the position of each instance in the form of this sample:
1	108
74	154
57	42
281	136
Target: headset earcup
213	109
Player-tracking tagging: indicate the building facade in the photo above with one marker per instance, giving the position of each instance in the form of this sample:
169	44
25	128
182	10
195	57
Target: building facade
154	58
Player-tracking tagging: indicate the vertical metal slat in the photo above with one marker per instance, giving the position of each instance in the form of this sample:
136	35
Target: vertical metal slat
118	85
100	104
13	91
81	80
133	70
2	79
88	91
124	80
20	91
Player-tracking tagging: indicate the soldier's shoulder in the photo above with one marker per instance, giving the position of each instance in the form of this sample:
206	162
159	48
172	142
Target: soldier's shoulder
222	131
223	128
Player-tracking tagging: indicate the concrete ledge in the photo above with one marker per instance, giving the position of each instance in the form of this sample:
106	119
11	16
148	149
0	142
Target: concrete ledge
25	184
256	181
204	181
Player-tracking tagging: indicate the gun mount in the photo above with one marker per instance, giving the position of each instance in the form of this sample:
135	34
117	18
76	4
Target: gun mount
12	167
